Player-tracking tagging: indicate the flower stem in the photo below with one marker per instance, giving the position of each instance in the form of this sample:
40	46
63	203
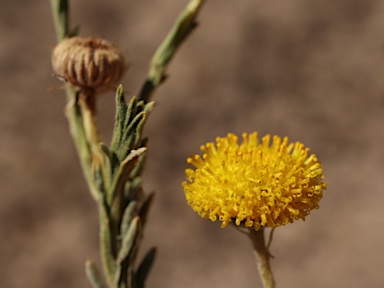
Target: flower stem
184	25
262	257
61	17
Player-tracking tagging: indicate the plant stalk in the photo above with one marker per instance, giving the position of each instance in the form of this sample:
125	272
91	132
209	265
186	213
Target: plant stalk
109	178
262	257
181	29
60	14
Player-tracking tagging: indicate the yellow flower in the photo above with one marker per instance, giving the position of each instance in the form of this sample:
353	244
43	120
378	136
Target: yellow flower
256	183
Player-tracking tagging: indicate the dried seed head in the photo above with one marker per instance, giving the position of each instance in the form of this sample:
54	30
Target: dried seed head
88	63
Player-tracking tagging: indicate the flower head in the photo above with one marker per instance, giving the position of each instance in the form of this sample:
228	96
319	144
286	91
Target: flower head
88	63
255	184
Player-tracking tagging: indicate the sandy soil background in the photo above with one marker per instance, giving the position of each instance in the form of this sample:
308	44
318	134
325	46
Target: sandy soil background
311	70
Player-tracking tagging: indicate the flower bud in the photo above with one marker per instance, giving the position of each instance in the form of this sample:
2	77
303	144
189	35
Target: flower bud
88	63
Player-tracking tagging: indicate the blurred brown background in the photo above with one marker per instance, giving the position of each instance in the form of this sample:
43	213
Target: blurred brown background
311	70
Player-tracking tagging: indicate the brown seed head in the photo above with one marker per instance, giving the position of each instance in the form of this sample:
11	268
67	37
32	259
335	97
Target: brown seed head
88	63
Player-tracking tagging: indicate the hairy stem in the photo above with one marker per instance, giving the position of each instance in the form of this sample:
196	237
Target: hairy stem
182	28
262	257
60	14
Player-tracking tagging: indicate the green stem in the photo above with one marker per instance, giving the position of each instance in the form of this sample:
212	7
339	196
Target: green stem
181	29
75	118
75	114
262	257
60	14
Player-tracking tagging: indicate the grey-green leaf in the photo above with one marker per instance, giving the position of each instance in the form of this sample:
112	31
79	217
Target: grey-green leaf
106	244
129	239
128	215
93	275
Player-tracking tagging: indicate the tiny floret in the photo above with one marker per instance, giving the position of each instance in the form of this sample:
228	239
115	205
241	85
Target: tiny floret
88	63
266	183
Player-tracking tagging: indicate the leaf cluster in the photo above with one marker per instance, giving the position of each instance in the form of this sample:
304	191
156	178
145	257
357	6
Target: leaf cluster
122	207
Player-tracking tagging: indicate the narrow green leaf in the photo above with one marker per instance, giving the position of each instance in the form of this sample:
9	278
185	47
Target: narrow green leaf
145	267
129	214
133	131
117	198
122	174
121	111
116	282
128	240
106	165
131	111
106	244
148	107
93	275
